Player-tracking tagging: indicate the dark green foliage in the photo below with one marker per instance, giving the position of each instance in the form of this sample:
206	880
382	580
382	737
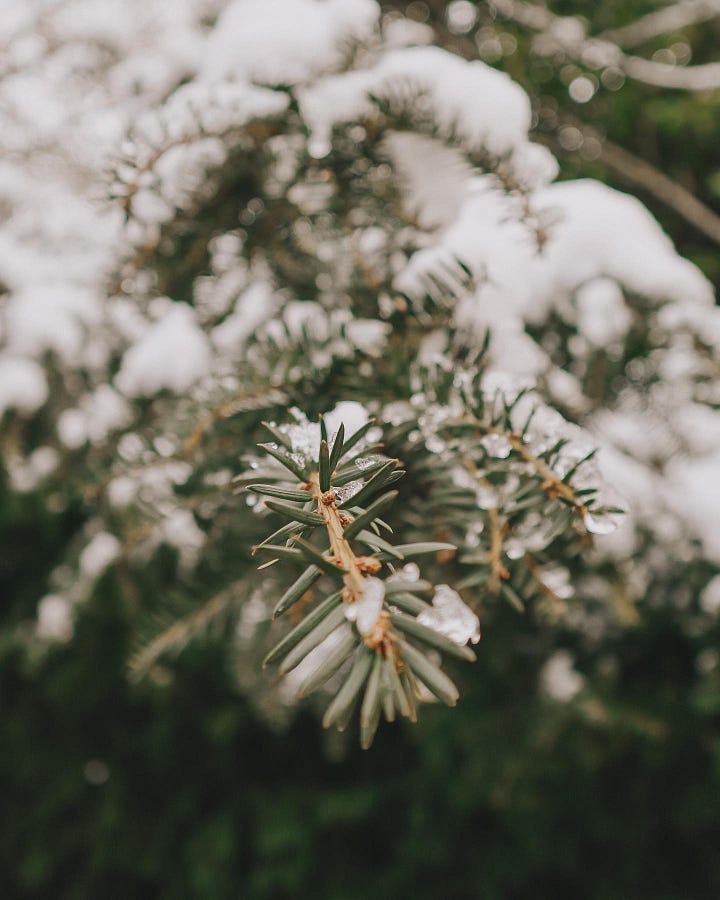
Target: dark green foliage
507	797
504	796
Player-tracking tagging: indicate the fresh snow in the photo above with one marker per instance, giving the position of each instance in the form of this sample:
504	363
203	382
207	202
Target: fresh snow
172	355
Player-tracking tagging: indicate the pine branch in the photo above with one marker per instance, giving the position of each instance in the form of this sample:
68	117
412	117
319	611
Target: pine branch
180	633
360	620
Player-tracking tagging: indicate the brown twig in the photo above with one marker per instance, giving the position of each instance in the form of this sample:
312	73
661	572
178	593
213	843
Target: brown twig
381	637
580	47
179	633
558	606
498	572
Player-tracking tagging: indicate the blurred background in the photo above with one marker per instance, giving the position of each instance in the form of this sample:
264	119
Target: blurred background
532	787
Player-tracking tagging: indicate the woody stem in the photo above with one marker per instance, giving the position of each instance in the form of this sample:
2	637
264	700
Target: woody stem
340	547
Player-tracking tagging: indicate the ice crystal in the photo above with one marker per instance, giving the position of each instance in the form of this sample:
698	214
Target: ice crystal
364	462
347	491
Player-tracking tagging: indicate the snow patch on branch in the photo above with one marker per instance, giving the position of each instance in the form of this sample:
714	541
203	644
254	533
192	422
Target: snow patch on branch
173	355
468	101
285	42
23	385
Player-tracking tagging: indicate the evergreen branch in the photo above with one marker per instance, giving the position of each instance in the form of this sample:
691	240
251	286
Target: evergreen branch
498	572
579	47
180	633
360	619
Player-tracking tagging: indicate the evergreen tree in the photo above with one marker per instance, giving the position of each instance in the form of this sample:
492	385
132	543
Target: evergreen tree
317	213
308	355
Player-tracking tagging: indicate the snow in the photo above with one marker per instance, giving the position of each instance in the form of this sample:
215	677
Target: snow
172	355
54	619
451	617
710	597
337	333
603	315
365	611
409	572
349	413
285	42
559	679
180	530
23	386
252	309
596	234
101	552
478	105
368	335
162	91
305	436
27	474
347	491
693	488
99	414
50	317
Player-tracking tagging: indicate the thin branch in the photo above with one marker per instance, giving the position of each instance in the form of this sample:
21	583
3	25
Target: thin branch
568	34
382	637
342	551
179	633
654	24
640	173
498	572
680	78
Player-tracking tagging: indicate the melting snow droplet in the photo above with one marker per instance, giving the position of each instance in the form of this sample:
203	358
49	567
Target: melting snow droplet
600	524
472	536
451	616
365	611
319	147
514	548
496	445
557	579
409	572
347	491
